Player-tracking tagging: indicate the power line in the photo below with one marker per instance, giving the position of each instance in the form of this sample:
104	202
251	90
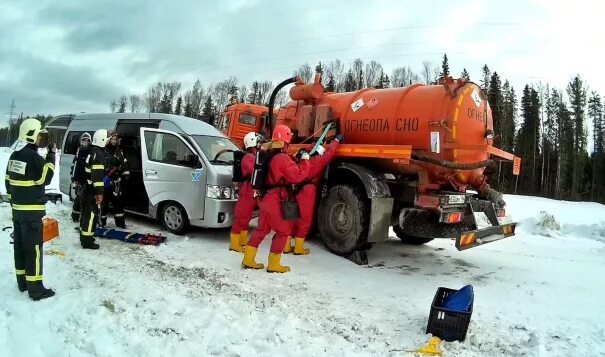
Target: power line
354	33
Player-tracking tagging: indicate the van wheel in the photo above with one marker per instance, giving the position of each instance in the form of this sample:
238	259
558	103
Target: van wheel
343	220
174	218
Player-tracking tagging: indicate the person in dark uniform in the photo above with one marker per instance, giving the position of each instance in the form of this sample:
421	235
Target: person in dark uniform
78	176
92	197
27	174
116	170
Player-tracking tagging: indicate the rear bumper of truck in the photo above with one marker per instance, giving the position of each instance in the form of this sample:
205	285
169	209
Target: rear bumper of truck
479	237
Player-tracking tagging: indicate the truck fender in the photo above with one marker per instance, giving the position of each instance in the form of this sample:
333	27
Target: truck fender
380	199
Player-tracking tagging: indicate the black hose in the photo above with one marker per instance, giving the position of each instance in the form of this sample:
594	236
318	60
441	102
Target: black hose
272	100
449	164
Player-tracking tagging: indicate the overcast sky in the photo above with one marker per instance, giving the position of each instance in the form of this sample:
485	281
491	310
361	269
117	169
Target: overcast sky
70	56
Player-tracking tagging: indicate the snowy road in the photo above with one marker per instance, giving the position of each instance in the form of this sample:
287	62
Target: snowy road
534	295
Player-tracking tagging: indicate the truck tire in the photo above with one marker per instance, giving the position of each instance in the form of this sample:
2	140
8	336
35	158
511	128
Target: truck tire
343	219
174	218
408	239
421	227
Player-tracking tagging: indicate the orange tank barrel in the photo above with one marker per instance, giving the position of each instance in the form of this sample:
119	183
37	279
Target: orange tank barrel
450	122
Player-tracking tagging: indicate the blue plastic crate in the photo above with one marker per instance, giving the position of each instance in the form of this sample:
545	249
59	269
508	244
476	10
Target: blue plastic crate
448	324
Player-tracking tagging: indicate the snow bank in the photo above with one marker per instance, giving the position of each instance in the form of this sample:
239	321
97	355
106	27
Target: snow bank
558	219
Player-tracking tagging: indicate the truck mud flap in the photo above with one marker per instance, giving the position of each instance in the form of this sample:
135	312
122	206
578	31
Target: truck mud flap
478	237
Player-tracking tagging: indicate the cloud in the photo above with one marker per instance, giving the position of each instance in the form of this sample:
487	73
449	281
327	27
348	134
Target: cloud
70	55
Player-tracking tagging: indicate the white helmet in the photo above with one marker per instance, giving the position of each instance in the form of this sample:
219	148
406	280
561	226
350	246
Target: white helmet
30	129
85	139
320	150
100	138
251	139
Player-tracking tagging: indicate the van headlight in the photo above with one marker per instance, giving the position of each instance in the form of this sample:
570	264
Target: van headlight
219	192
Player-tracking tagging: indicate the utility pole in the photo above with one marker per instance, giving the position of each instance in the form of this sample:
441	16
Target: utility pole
10	122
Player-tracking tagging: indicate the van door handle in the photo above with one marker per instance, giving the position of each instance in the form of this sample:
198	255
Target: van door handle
151	172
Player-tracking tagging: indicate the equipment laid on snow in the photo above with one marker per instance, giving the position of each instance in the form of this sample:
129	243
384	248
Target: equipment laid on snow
450	314
51	229
411	158
130	237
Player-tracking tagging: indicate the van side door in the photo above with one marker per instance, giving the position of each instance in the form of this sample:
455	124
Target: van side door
173	171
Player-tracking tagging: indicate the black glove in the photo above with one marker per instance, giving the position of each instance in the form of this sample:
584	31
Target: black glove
52	147
339	138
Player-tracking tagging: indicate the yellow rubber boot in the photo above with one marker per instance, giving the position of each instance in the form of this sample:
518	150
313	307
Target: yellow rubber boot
299	247
288	247
249	262
274	266
234	243
243	238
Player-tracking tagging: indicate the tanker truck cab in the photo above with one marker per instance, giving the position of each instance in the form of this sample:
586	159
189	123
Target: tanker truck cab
181	168
240	118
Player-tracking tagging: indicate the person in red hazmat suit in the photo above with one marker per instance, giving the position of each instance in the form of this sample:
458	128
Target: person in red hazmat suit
246	203
306	196
283	172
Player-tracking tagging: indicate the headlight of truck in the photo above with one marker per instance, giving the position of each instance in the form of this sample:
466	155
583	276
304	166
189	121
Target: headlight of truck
219	192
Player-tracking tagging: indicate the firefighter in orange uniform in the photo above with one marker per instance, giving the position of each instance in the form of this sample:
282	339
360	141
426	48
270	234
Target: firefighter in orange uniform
246	203
282	173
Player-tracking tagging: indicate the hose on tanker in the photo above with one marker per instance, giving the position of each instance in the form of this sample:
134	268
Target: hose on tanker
449	164
270	120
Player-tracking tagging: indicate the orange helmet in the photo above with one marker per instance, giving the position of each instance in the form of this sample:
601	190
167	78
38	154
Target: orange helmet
282	133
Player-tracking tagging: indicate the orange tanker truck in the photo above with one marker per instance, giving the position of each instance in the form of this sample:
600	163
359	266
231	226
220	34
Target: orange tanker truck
413	159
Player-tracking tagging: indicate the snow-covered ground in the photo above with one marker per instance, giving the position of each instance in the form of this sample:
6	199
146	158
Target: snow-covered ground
540	293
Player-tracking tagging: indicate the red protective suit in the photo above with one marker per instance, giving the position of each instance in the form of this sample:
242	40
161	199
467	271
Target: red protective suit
246	203
308	193
282	171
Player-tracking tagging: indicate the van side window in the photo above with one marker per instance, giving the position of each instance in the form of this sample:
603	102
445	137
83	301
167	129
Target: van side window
247	119
168	149
73	142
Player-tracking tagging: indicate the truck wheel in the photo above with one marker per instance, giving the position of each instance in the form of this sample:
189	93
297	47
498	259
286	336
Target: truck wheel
343	220
408	239
174	218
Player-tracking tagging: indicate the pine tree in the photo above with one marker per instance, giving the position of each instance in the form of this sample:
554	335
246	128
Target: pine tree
319	69
380	81
179	105
496	101
208	111
445	67
527	143
465	75
165	105
331	85
188	110
386	83
253	97
359	80
487	74
577	98
350	84
595	113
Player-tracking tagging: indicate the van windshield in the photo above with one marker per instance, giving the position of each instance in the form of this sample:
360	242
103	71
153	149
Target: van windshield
212	145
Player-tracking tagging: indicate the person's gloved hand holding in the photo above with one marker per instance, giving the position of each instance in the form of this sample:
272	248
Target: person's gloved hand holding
52	147
99	199
304	156
339	138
